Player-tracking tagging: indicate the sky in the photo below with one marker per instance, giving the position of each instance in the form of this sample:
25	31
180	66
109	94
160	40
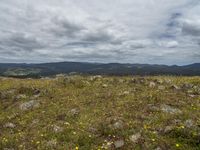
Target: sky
106	31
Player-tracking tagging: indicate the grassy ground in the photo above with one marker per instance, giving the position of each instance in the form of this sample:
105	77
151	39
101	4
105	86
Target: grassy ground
94	113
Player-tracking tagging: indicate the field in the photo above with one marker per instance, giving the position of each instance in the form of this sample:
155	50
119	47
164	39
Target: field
97	112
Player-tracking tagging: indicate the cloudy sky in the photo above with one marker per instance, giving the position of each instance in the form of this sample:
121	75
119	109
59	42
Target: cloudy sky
125	31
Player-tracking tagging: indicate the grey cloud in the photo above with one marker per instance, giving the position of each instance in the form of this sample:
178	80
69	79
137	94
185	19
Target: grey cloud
65	27
129	31
191	28
21	41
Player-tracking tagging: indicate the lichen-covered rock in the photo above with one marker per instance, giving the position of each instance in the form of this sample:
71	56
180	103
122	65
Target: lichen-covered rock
135	137
74	111
29	105
57	129
169	109
119	143
9	125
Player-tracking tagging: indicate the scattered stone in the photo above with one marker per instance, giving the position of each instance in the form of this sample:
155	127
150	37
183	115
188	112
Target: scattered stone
119	143
175	87
168	129
152	84
12	91
168	81
92	130
121	81
169	109
29	105
152	107
52	143
9	125
158	148
118	125
104	85
189	123
192	95
159	81
126	93
135	137
187	86
161	87
21	96
35	121
57	129
74	111
93	78
176	121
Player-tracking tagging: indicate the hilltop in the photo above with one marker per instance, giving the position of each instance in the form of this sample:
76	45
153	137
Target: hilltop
100	112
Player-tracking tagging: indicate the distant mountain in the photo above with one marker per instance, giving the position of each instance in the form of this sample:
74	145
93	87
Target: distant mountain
49	69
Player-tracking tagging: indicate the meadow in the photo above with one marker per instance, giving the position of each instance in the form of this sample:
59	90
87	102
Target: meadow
100	112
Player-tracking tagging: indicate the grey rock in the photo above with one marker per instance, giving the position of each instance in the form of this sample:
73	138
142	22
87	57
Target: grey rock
161	87
152	84
158	148
119	143
21	96
52	143
169	109
9	125
187	86
135	137
189	123
74	111
57	129
104	85
92	130
126	93
29	105
118	125
175	87
168	129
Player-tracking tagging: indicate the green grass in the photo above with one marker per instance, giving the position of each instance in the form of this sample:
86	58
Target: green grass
100	102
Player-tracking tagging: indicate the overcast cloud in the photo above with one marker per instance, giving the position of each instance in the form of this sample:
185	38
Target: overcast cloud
125	31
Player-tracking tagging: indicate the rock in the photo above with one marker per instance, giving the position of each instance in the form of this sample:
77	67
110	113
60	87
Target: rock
175	87
29	105
57	129
187	86
161	87
119	143
168	129
152	107
9	125
135	137
74	111
52	143
158	148
126	93
104	85
152	84
189	123
169	109
192	95
93	130
118	125
21	96
36	92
